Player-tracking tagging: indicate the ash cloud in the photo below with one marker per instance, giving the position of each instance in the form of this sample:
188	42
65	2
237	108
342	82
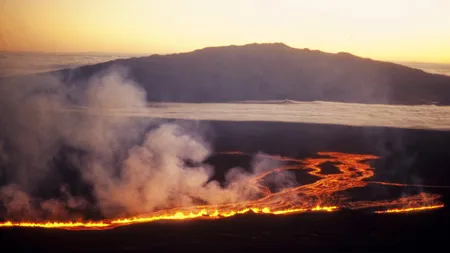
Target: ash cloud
132	165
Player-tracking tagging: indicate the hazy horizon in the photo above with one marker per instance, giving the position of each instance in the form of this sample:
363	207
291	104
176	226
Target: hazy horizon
144	54
26	62
382	30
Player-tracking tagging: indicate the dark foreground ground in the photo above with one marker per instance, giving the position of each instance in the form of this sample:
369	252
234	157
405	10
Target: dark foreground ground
324	232
407	156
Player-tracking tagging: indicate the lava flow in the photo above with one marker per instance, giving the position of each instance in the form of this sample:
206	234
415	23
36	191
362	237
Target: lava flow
410	209
326	194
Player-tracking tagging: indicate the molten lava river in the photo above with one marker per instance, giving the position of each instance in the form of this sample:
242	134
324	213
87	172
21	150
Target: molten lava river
326	194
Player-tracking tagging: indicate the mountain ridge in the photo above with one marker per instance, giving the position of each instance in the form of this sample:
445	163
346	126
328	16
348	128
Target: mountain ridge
273	71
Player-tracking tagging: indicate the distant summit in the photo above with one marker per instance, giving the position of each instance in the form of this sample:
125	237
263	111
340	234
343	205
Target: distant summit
275	71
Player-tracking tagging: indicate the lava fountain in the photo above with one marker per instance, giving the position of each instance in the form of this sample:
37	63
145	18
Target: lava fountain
326	194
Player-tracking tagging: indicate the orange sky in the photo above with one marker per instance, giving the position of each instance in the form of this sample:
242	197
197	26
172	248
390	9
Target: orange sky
401	30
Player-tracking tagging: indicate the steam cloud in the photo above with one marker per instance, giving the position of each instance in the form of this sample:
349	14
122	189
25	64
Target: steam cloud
134	165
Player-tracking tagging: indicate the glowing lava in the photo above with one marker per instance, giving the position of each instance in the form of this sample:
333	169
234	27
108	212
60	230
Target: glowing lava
204	214
326	194
410	209
63	225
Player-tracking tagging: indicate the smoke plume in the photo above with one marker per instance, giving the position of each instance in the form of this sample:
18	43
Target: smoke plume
132	165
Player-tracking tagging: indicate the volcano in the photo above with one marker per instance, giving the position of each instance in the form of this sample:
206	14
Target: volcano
274	72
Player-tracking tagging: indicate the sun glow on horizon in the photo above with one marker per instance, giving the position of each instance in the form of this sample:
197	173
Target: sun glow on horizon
386	30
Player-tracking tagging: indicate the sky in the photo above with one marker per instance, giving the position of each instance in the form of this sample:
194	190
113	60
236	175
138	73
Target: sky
396	30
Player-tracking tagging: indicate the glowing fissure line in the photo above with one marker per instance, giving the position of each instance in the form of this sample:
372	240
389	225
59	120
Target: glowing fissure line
177	216
410	209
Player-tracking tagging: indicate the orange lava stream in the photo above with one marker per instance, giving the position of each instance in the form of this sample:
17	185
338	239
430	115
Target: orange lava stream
326	194
203	213
56	224
410	209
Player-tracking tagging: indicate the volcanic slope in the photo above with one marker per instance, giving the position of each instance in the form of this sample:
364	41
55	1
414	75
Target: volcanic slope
273	72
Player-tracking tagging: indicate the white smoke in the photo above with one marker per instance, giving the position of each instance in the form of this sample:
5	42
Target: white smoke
134	165
155	175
